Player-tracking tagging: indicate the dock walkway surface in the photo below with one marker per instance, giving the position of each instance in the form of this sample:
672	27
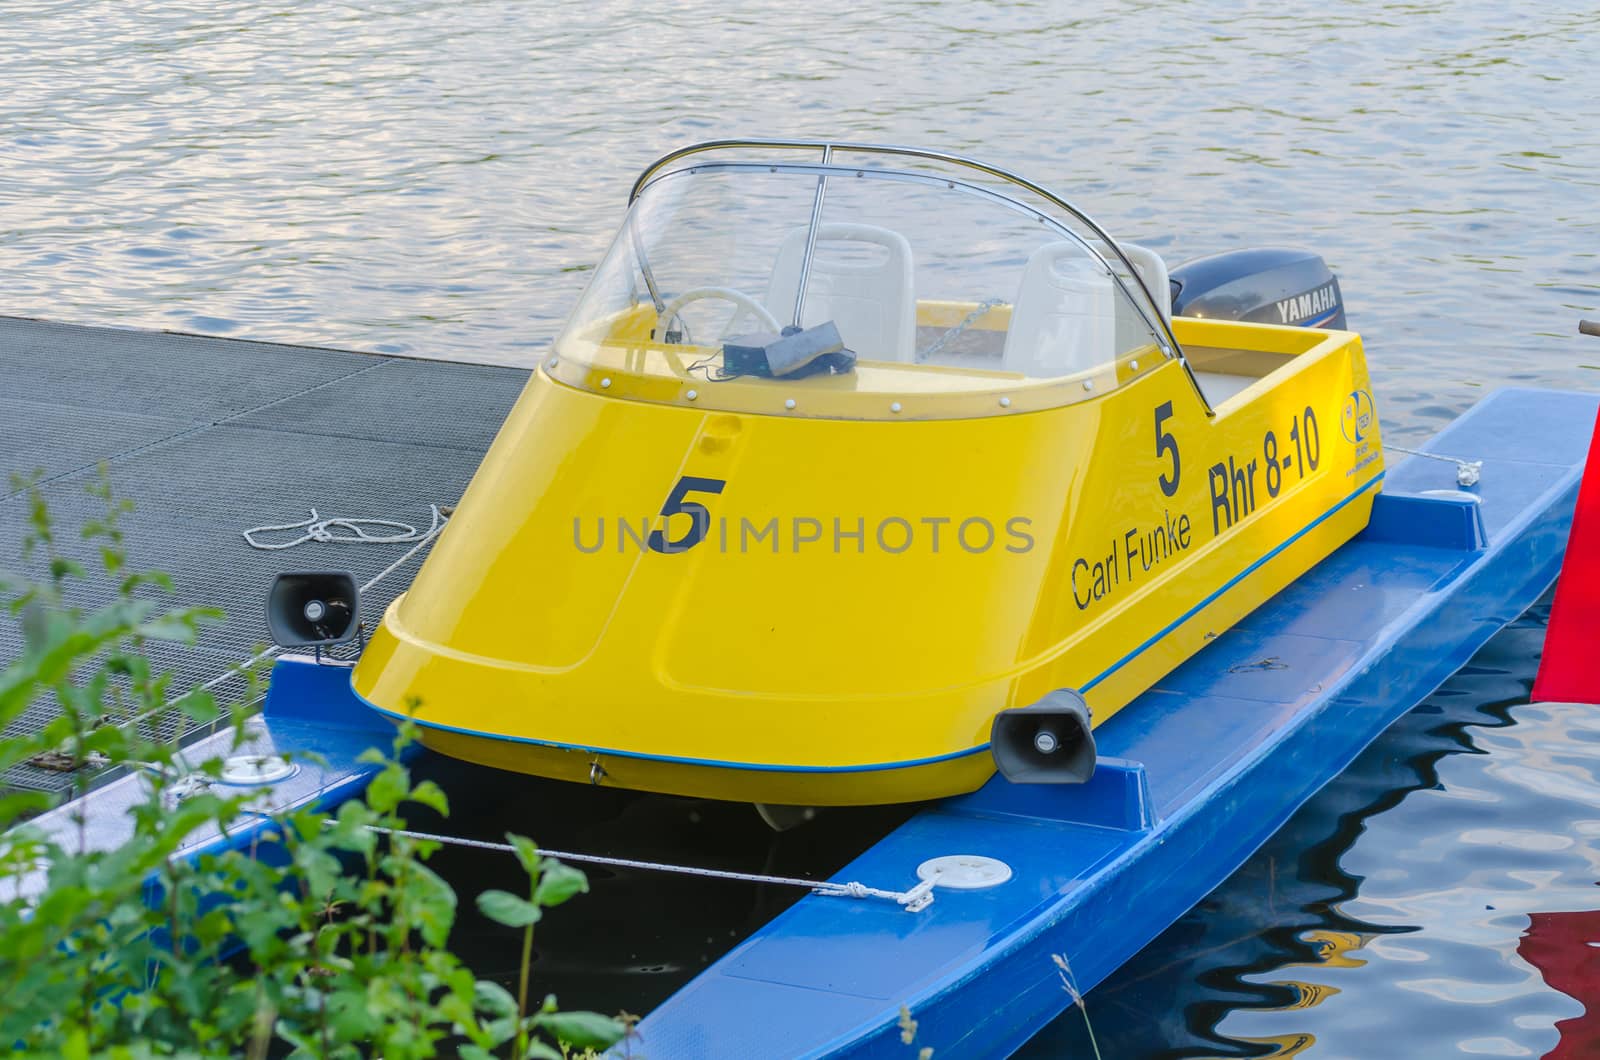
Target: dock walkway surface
209	437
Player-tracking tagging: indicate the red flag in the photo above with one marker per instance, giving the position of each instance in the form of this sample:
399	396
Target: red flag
1570	669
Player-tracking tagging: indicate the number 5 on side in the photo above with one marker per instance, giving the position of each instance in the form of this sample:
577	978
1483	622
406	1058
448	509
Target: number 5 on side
675	505
1166	443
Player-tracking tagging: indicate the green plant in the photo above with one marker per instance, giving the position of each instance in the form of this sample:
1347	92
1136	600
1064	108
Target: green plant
550	884
1064	969
140	950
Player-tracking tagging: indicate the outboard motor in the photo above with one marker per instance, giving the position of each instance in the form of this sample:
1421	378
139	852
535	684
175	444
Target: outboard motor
1049	742
1269	285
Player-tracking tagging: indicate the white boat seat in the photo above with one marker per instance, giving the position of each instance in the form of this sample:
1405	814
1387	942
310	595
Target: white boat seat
1153	271
867	289
1064	318
1217	387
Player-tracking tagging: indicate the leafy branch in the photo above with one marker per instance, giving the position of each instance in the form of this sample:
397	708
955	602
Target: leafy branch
328	936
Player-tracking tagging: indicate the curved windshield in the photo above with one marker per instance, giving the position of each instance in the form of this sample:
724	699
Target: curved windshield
862	293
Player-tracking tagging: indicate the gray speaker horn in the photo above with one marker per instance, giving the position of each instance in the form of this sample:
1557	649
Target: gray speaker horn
312	609
1049	742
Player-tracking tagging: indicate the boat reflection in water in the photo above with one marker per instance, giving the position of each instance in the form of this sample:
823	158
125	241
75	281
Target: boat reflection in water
1562	947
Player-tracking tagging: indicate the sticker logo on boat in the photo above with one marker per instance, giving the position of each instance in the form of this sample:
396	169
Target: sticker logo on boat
1356	418
1303	307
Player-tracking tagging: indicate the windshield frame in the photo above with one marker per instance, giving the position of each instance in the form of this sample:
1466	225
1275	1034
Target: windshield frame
1139	296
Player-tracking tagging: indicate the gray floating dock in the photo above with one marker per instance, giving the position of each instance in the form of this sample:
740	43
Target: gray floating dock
209	437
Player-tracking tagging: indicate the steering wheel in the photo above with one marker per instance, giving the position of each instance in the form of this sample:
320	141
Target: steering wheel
746	304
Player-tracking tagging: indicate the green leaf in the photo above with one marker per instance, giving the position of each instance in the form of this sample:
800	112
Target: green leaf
22	804
199	706
432	905
558	882
76	1045
61	567
388	788
432	796
583	1030
527	852
169	627
164	582
504	1029
505	908
494	999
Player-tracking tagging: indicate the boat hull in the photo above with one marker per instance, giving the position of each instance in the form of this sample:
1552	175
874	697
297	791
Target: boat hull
860	598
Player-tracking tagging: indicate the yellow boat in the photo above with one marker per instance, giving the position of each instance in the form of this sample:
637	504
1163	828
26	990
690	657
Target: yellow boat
861	470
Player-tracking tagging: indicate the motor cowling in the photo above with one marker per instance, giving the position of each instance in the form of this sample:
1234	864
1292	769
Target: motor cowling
1266	285
1049	742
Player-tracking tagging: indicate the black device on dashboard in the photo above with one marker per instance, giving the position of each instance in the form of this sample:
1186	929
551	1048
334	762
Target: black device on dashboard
793	354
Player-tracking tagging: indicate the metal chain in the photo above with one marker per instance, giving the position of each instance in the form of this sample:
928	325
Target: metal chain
971	318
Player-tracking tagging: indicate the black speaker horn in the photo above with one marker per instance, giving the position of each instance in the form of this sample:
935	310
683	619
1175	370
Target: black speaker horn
1049	742
312	609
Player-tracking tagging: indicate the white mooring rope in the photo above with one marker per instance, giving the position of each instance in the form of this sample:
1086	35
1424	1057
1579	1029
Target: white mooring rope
1467	471
915	900
355	531
439	521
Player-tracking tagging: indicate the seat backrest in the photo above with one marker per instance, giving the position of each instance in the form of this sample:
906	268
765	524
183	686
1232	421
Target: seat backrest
1153	271
1064	318
867	290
